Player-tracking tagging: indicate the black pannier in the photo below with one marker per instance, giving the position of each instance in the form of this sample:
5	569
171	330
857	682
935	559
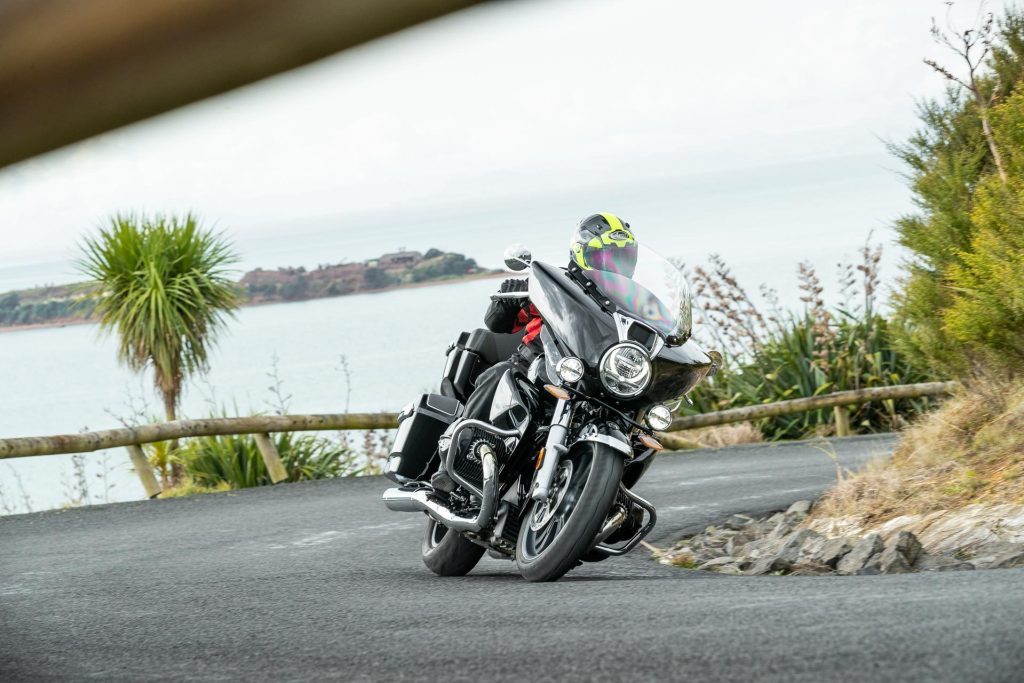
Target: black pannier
414	456
471	354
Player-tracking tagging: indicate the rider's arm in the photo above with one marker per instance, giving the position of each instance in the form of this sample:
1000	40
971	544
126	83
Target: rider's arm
502	315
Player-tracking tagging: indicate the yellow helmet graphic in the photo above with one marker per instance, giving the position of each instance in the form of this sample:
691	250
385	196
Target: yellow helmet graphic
605	242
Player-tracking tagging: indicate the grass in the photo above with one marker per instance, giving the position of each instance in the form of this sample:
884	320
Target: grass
720	436
970	450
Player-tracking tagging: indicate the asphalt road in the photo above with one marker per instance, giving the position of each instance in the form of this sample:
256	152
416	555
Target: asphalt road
317	581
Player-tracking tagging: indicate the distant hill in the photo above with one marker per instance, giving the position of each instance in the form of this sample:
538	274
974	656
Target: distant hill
66	304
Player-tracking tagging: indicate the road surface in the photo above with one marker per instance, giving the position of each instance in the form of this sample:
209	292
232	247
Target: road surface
317	581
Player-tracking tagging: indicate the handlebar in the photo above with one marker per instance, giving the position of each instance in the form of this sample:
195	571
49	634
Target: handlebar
509	295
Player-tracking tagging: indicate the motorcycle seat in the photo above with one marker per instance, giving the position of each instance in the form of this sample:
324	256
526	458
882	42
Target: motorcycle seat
493	347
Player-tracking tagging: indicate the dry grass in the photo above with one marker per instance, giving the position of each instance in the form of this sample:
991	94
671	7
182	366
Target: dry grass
187	487
970	450
721	436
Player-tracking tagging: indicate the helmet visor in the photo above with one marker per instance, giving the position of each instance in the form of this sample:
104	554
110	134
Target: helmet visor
613	259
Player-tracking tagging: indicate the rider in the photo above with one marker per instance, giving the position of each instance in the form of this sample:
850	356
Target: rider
602	241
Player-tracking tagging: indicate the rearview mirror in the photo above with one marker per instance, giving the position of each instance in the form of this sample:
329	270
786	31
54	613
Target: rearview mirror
517	258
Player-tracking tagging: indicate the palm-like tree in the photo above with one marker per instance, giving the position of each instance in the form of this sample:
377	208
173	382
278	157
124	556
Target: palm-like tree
163	285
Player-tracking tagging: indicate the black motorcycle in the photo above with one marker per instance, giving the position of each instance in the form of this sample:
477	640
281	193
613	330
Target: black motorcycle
547	480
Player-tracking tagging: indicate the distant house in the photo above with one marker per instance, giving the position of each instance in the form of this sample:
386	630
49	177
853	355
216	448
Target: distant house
399	259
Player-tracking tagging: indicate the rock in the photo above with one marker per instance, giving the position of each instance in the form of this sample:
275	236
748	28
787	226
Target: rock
717	562
809	569
1010	559
785	526
791	548
801	507
943	562
833	550
1003	555
907	545
737	522
764	565
811	548
861	553
892	561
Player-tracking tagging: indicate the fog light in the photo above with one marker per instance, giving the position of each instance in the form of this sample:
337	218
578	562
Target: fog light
659	417
570	369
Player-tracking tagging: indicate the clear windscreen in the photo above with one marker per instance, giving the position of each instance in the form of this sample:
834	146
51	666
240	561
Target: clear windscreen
651	289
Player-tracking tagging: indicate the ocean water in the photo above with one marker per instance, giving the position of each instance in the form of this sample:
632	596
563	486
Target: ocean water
66	380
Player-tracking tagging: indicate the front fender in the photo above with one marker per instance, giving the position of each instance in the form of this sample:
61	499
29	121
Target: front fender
605	433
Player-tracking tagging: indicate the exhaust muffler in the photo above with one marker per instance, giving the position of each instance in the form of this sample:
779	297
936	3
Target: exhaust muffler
423	500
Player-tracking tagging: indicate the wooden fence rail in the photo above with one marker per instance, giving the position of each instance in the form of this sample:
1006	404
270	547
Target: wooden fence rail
262	425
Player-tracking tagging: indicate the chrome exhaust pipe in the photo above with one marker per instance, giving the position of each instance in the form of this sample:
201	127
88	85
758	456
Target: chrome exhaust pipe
423	500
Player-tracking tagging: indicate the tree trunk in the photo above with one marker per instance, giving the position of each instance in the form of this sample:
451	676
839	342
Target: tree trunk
986	129
171	412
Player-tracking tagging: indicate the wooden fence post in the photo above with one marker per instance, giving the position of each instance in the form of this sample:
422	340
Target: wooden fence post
842	415
271	458
144	470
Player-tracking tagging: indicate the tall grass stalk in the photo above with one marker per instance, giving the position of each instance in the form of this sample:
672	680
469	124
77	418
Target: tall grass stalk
775	355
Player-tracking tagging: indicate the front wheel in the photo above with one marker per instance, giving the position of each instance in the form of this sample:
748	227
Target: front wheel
557	532
446	552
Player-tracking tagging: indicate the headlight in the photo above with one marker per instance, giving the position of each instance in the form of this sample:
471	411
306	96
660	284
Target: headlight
659	417
625	370
570	369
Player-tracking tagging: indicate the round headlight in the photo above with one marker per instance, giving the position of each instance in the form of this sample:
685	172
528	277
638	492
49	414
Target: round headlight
570	369
625	370
659	417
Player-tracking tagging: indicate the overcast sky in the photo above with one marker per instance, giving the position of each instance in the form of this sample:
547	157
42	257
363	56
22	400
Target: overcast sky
507	100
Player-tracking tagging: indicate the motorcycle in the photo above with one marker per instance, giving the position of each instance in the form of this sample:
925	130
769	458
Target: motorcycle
548	480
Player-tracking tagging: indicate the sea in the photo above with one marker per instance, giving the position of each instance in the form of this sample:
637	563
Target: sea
374	352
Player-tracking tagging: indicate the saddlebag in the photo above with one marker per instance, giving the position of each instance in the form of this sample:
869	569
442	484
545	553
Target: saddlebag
471	354
414	456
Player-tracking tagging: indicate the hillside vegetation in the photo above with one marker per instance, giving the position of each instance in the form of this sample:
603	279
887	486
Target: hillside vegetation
960	311
61	304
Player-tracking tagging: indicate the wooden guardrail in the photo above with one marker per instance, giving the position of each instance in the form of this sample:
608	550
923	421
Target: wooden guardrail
262	425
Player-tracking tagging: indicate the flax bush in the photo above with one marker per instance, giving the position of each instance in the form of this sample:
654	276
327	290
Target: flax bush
775	355
211	461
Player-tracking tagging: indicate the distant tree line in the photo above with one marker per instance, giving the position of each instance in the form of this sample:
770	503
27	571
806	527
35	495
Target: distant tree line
14	311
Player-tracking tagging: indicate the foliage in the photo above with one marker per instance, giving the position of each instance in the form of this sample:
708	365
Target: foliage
15	312
442	266
779	355
967	228
378	278
162	285
211	461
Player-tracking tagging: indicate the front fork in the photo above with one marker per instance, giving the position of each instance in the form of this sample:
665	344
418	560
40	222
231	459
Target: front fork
554	449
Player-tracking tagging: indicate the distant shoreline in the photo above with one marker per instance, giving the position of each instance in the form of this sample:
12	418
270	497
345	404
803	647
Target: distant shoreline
68	322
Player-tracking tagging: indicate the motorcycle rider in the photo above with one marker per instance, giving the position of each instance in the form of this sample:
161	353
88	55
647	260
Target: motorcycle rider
601	241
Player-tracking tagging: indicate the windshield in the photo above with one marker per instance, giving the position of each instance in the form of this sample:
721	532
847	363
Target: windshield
653	291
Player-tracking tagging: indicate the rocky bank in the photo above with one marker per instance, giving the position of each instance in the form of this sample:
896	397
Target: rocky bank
794	542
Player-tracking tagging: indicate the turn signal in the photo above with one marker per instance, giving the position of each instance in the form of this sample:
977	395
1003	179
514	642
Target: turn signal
651	442
558	392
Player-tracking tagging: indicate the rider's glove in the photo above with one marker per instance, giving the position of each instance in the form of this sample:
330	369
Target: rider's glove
514	285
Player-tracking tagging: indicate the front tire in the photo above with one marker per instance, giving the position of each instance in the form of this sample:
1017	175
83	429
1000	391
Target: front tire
557	533
446	552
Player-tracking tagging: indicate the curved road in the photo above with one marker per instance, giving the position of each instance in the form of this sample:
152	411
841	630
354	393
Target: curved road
316	581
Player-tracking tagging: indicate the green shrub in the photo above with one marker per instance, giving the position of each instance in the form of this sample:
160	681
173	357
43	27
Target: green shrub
961	299
212	460
780	355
